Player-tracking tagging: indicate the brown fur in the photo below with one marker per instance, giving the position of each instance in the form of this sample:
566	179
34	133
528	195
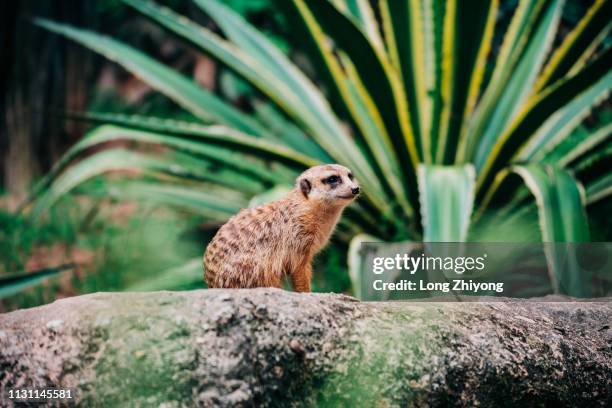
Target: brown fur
258	247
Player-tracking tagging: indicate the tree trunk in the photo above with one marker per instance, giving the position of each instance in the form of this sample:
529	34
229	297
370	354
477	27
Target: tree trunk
41	76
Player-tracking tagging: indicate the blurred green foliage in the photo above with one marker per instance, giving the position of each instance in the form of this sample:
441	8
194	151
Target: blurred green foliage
19	235
117	247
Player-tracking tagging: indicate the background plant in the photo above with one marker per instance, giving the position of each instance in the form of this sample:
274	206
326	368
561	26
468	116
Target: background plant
401	95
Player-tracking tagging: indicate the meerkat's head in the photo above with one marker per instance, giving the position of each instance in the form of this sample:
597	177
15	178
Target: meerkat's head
330	183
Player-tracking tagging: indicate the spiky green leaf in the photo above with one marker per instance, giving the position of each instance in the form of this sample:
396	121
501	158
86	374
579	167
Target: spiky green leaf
563	122
519	86
355	264
201	102
584	38
15	283
600	189
467	36
536	112
446	194
138	164
560	199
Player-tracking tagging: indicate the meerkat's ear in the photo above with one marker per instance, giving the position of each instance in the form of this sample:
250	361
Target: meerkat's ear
305	186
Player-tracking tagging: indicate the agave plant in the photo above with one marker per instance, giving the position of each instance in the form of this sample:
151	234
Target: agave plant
402	94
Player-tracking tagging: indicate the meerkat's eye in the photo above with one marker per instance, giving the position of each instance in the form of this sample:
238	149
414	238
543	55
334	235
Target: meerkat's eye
331	180
350	176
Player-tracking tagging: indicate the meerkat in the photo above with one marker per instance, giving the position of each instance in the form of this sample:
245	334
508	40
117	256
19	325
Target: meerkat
259	246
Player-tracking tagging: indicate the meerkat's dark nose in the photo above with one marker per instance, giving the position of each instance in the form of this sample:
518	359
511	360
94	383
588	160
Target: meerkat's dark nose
355	190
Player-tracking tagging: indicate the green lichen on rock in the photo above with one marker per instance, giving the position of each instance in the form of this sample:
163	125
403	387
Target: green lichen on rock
268	347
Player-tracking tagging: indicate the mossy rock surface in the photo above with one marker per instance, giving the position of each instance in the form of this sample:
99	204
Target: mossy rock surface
268	347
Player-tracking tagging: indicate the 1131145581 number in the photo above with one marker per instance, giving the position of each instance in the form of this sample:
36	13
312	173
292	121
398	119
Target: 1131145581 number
39	394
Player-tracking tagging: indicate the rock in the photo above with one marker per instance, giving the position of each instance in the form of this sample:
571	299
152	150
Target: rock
55	325
268	347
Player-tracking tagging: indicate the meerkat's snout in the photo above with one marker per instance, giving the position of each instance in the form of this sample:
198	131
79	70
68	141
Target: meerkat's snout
353	186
